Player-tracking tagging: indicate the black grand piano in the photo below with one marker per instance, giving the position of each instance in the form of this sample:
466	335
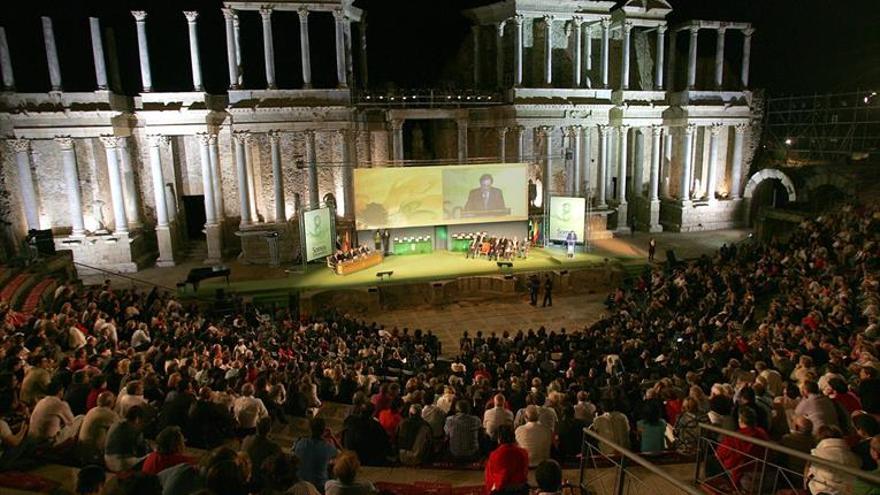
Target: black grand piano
197	275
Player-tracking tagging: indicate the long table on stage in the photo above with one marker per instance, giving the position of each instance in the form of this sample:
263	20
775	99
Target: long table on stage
372	259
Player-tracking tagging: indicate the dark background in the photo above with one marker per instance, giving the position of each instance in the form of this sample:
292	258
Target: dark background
800	46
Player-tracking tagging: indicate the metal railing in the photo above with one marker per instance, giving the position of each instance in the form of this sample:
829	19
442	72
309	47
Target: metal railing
759	466
622	471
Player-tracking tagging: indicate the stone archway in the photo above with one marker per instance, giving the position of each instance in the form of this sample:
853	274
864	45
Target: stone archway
757	179
843	184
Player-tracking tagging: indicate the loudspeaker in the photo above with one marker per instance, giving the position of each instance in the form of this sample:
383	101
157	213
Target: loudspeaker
44	241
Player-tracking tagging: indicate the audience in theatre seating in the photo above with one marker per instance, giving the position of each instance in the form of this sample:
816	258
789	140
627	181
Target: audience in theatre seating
778	341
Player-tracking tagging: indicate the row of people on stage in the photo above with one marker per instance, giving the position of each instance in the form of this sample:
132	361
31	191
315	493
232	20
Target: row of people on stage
498	248
353	254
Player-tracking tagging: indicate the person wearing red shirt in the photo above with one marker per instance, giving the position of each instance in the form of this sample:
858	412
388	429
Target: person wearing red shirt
390	419
98	385
507	468
840	393
168	453
734	453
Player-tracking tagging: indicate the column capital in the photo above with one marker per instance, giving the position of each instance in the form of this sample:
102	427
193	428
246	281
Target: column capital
499	28
212	138
139	15
572	130
241	137
303	13
343	132
20	145
519	129
576	21
229	13
308	132
694	30
462	122
339	15
191	16
204	138
741	127
518	19
604	129
274	136
721	29
605	23
715	128
502	131
623	128
548	19
109	141
656	130
662	28
158	139
64	142
689	129
266	12
627	26
545	130
748	32
396	124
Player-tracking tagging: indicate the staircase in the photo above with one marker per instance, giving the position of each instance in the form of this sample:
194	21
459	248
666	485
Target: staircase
196	250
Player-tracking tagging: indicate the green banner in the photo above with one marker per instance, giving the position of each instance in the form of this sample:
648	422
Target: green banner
318	226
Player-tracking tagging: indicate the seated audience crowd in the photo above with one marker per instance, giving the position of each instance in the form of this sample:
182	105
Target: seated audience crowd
777	341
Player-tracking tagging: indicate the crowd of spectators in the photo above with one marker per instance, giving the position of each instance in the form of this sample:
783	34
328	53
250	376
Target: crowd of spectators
777	341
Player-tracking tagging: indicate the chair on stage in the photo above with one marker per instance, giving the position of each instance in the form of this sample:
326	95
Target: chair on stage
484	249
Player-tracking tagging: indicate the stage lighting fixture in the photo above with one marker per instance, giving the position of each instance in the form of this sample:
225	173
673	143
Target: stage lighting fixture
788	141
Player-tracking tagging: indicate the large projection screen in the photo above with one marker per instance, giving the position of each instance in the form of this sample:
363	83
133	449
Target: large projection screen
317	227
398	197
566	215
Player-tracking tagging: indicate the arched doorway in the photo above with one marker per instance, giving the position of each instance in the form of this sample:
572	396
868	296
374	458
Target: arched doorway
768	188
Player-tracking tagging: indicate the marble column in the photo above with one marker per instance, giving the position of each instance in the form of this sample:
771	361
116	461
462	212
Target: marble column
666	177
588	54
207	178
518	51
462	126
520	136
6	62
140	18
547	172
98	53
129	189
656	151
587	151
305	52
502	144
252	178
241	141
341	67
576	42
348	164
548	50
604	138
475	33
365	73
116	189
499	54
638	160
712	170
576	180
277	176
670	70
687	163
216	177
164	237
171	197
624	64
719	58
236	31
22	149
661	47
737	161
71	185
622	141
51	54
194	57
692	58
268	46
397	140
312	164
229	17
605	40
747	56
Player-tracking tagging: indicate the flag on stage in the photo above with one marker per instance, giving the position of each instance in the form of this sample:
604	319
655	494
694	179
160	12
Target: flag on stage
346	242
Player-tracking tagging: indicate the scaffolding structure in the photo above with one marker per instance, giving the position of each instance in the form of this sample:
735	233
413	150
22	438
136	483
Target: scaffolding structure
834	127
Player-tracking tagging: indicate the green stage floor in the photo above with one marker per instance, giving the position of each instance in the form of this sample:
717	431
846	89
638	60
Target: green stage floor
439	265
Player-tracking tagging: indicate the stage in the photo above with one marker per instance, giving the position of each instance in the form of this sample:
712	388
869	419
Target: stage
412	269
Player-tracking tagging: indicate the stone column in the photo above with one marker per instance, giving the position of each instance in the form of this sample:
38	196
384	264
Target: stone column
668	137
692	58
51	54
604	137
231	59
548	50
518	51
638	160
277	176
519	136
305	52
576	62
574	140
207	178
499	54
475	32
71	184
171	198
502	143
311	162
462	125
658	69
719	58
6	62
116	189
22	149
341	72
747	55
687	163
194	58
547	172
605	37
217	183
164	237
241	140
670	70
236	25
140	18
130	189
348	165
98	53
587	151
588	53
268	46
397	140
712	171
623	137
624	65
365	73
654	181
737	161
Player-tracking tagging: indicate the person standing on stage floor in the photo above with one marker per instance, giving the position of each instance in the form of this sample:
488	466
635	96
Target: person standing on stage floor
652	248
386	242
534	285
377	241
548	291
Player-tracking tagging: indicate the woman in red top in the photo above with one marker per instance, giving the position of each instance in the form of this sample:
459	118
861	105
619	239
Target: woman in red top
507	468
168	453
390	419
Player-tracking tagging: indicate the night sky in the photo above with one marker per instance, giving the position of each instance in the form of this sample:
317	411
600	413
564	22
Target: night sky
801	46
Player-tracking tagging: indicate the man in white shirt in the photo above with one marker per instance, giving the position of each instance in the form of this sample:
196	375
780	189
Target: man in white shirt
534	437
52	418
248	410
96	424
584	410
612	425
497	416
133	395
